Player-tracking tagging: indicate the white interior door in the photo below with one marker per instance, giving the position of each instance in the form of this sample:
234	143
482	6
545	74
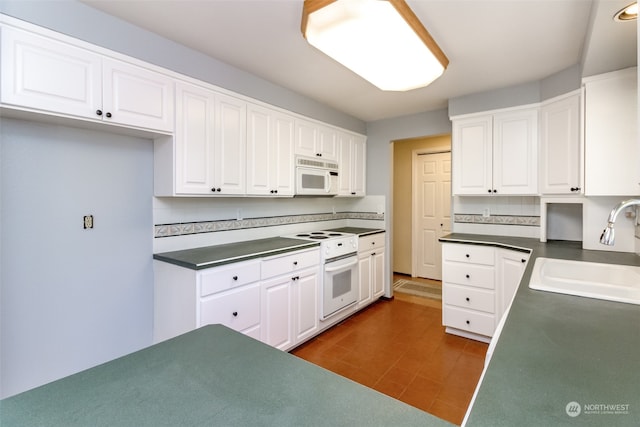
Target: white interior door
431	211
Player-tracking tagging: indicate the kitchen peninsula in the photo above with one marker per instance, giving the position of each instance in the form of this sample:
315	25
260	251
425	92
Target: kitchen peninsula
210	376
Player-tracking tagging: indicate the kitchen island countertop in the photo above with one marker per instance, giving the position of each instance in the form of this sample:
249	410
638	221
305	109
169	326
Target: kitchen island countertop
212	376
560	359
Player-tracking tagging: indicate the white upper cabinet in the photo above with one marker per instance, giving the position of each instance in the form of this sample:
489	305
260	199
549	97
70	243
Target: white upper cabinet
352	165
496	153
194	139
560	146
315	140
472	145
230	145
270	141
610	134
209	145
50	76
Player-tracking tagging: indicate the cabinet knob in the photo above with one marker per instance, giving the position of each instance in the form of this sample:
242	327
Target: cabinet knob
318	154
214	189
468	322
489	191
353	193
99	112
467	255
495	191
467	276
235	314
523	260
468	299
235	277
574	189
108	115
295	262
373	253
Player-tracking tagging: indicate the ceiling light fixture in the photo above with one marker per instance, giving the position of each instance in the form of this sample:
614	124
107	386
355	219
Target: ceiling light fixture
382	41
628	13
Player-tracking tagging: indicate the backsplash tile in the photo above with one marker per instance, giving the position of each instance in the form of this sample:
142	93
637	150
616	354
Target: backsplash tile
522	220
199	227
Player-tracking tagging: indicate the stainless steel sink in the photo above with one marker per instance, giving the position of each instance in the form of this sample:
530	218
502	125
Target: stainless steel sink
611	282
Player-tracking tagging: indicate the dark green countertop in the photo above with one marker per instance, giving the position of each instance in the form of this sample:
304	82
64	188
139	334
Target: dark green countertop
360	231
557	349
212	256
212	376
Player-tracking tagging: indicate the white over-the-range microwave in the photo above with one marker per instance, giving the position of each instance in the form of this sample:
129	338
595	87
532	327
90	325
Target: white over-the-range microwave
316	177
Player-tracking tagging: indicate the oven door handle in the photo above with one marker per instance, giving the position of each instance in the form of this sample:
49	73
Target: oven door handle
340	267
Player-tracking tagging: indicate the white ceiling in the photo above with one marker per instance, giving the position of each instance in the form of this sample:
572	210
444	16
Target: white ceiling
490	44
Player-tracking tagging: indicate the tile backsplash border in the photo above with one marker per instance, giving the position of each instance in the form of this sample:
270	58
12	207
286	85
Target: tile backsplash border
523	220
200	227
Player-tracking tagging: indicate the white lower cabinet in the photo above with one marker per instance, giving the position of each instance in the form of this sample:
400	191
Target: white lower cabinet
478	285
371	252
289	298
272	299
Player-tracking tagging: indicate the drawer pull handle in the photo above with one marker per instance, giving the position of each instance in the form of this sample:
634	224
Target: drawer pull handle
295	262
235	314
468	299
467	276
523	260
468	322
467	255
235	277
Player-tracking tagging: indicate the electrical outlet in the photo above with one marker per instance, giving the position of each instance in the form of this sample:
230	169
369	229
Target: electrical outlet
88	221
486	213
239	214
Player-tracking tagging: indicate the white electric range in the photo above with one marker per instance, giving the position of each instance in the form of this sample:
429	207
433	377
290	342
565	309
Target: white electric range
339	281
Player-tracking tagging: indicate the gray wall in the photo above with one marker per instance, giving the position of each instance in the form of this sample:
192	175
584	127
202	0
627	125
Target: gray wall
83	22
72	298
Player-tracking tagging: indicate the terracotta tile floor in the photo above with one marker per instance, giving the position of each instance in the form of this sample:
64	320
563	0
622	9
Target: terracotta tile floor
399	348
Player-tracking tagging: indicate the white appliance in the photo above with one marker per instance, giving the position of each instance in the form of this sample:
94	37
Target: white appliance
316	177
339	281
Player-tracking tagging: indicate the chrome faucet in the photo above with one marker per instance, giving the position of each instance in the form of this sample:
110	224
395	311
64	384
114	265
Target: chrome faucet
608	235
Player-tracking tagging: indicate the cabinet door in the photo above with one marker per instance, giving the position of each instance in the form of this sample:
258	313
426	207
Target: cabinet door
138	97
260	146
327	146
48	75
238	309
306	138
378	271
510	267
560	167
282	157
515	152
472	155
305	297
345	163
365	279
230	145
359	167
611	145
194	139
277	314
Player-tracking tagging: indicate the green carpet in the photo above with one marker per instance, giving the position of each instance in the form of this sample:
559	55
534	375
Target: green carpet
425	290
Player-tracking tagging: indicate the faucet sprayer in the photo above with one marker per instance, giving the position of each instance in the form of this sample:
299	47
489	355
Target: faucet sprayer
608	236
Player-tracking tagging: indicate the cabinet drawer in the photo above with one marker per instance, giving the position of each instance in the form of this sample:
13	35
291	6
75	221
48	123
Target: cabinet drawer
374	241
472	298
479	276
472	254
469	320
275	266
238	309
219	279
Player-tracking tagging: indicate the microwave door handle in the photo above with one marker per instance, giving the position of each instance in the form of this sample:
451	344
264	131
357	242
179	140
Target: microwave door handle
340	267
327	182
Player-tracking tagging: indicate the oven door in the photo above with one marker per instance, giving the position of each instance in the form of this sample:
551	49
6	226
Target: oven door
340	285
